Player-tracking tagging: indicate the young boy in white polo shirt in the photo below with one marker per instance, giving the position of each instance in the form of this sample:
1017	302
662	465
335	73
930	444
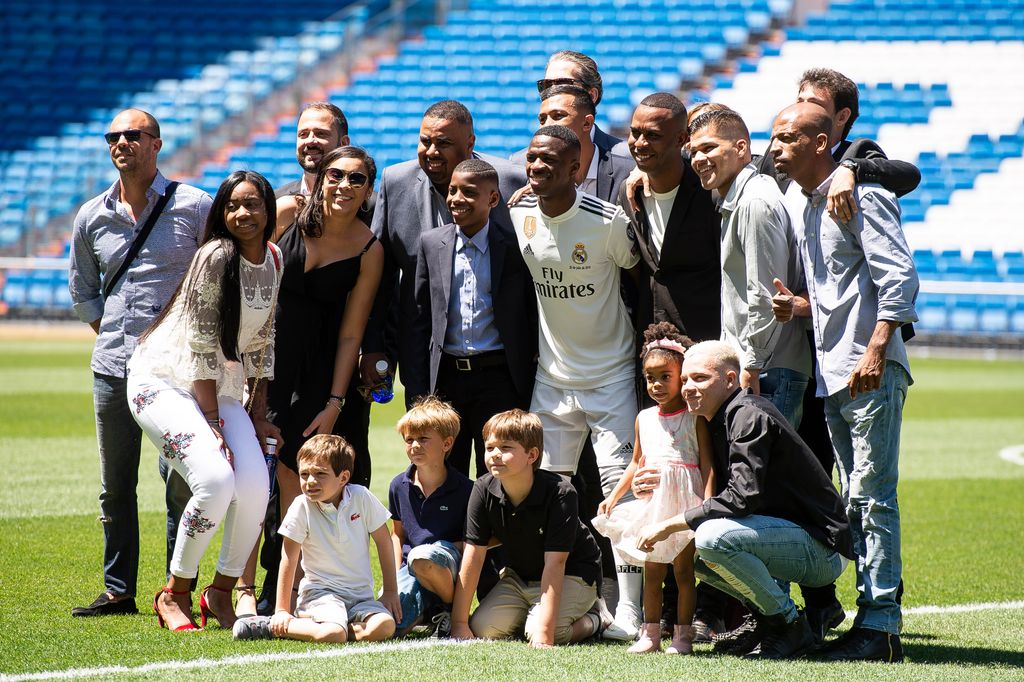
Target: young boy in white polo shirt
330	523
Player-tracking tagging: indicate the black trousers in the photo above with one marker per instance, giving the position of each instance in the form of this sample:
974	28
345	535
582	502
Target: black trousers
478	388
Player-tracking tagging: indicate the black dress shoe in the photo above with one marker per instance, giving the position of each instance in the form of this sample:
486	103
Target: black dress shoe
105	606
862	644
821	620
781	639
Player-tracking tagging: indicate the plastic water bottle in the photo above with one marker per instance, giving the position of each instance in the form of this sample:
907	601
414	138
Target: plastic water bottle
270	456
384	390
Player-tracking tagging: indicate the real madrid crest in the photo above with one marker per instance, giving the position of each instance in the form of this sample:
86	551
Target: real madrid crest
530	226
579	254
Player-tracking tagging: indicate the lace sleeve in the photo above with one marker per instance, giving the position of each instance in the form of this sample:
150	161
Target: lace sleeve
258	357
202	312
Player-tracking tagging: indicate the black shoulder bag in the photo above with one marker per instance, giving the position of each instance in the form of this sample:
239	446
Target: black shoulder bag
111	282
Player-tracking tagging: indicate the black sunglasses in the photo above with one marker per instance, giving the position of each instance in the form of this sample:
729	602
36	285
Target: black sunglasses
132	135
355	178
545	83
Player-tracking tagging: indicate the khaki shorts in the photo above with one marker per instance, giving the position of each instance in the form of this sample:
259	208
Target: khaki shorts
512	607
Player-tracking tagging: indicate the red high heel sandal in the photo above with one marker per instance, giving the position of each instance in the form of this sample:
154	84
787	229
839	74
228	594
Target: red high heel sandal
204	605
159	617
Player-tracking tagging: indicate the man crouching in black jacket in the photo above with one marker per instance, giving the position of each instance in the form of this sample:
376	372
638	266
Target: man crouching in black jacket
775	514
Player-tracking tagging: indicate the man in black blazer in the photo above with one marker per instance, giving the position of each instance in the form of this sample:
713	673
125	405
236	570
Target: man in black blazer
410	202
602	171
476	312
677	228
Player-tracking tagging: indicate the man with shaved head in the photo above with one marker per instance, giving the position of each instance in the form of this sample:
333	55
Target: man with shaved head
861	286
775	515
119	297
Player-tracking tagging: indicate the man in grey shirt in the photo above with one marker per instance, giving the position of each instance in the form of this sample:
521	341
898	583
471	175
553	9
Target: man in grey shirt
861	286
104	230
758	245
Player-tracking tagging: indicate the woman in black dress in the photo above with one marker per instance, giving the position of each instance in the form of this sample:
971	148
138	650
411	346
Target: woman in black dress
332	267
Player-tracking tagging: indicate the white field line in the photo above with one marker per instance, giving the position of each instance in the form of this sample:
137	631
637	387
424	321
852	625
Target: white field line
342	652
1013	454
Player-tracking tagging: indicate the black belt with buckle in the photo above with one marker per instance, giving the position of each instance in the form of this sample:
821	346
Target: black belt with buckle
473	363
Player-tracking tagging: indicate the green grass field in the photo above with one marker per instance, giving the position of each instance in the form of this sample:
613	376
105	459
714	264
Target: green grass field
962	506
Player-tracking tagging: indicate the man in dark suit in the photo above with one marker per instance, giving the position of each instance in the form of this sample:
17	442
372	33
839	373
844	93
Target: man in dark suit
410	202
476	312
602	171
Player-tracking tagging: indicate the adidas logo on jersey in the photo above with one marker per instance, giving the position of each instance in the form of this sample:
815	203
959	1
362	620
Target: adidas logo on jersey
626	449
528	251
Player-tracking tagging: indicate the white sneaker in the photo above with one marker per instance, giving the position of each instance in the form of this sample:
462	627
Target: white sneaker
626	625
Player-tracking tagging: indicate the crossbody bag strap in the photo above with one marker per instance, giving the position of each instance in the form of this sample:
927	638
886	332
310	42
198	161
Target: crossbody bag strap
140	239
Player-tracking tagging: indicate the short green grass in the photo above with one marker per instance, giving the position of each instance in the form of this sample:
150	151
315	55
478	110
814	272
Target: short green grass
963	510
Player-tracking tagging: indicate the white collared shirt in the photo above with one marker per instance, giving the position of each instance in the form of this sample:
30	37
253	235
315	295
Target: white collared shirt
336	541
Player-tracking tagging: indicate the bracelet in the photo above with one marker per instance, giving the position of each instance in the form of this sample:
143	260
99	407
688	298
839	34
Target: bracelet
215	410
339	398
219	423
336	402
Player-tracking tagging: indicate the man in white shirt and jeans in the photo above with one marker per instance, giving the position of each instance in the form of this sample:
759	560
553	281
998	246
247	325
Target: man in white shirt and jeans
574	246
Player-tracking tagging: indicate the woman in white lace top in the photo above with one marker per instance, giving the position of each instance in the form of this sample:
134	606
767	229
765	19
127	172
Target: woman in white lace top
185	385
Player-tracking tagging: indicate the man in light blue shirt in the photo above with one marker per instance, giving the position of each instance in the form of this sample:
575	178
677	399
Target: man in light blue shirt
474	334
104	231
861	286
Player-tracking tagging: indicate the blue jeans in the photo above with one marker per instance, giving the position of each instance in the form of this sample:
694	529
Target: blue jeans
746	557
120	443
865	433
416	600
785	388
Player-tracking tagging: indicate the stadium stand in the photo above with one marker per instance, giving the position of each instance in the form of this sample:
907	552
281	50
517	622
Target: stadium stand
941	85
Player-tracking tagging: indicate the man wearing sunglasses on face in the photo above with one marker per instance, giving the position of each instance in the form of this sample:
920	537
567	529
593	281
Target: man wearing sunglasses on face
119	295
604	169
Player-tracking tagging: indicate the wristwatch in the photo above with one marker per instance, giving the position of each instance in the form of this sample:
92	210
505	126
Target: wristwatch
851	164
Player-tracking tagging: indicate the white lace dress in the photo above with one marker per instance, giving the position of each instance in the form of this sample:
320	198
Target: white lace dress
185	346
668	441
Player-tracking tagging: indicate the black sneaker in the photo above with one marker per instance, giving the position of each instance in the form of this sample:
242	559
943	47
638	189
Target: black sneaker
862	644
442	625
252	627
783	640
740	640
821	620
105	606
266	601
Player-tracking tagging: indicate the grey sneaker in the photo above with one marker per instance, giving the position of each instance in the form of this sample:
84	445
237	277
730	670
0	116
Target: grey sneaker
252	627
442	625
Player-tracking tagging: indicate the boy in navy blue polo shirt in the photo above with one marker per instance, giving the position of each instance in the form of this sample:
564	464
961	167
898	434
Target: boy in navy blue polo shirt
428	508
547	590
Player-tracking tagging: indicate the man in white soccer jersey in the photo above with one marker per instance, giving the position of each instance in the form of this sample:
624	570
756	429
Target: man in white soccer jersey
574	246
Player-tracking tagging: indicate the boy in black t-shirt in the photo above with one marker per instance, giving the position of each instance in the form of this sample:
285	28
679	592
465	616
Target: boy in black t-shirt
547	589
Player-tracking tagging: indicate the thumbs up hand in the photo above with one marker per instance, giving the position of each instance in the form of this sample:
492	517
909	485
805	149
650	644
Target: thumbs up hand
782	302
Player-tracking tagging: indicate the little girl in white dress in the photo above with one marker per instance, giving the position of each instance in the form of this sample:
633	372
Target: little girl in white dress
669	437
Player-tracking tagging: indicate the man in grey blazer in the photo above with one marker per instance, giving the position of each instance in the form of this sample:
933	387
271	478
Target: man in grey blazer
410	202
476	312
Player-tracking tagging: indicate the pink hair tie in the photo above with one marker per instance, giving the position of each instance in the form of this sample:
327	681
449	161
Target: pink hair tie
667	344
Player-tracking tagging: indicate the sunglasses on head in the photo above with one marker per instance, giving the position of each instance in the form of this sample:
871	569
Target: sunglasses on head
132	135
545	83
355	178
